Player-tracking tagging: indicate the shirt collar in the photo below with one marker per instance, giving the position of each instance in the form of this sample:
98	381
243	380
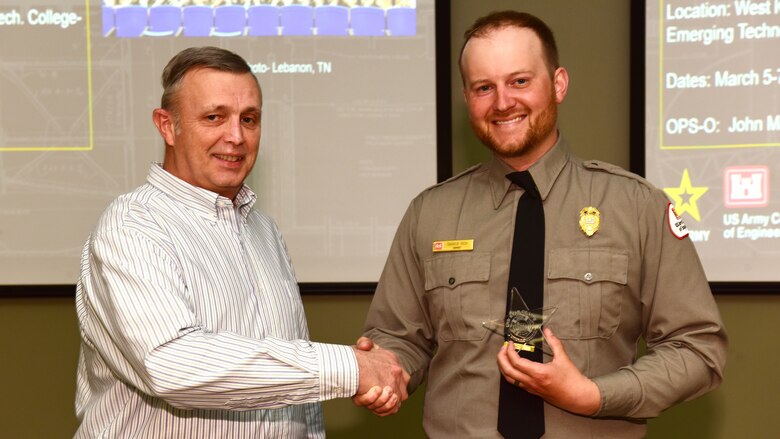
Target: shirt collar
544	172
202	201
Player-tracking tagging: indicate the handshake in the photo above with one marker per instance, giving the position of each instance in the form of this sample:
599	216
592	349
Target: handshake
382	382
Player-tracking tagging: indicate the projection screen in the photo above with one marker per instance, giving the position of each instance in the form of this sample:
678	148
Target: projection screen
712	128
349	120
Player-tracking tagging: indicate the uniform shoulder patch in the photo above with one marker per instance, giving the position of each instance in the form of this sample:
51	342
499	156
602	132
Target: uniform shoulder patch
676	224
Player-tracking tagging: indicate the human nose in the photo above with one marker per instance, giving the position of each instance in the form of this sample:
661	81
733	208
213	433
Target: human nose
234	131
503	100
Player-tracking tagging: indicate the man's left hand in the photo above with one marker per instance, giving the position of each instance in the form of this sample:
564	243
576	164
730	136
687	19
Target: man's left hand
558	382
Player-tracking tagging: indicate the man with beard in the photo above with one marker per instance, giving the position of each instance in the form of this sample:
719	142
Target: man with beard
614	265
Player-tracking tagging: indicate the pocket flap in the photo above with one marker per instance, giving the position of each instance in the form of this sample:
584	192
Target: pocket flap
451	270
589	265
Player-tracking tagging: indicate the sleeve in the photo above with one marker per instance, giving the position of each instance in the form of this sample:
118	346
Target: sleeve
685	337
397	318
315	422
141	322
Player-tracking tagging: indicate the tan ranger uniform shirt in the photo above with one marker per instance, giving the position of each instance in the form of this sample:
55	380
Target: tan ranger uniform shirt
634	278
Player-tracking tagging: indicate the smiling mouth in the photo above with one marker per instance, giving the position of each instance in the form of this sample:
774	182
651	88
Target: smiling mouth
510	121
229	158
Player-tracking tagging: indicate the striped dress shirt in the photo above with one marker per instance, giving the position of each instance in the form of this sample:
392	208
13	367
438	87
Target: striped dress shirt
192	324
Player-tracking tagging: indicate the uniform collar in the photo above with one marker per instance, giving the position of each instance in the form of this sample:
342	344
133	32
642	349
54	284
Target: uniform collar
544	172
201	201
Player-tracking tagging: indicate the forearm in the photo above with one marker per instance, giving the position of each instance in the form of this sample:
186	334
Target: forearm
227	371
657	381
686	354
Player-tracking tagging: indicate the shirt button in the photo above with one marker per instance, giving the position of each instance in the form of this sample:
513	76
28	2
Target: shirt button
451	281
588	277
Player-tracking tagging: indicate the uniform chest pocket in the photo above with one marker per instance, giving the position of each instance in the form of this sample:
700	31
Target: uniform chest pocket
587	286
456	287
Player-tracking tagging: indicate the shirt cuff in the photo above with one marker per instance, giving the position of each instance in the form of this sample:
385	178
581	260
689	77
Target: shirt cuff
621	393
338	370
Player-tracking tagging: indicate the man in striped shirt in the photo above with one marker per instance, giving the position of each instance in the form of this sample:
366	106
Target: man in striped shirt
190	317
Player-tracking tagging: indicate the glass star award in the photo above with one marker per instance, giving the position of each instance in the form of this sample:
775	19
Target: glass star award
522	326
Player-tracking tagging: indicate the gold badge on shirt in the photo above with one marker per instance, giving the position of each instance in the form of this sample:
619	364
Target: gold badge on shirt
589	220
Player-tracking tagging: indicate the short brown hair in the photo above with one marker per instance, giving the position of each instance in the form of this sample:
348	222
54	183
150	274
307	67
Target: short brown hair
503	19
207	57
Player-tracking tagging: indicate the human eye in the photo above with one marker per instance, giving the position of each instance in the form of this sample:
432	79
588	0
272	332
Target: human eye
483	89
520	82
250	119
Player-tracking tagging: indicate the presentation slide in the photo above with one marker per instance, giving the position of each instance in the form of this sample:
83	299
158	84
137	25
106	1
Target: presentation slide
348	129
713	128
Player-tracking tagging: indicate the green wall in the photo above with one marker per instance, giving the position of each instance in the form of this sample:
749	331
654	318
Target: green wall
39	337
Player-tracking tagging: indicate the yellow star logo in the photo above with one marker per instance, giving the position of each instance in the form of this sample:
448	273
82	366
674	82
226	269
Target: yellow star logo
685	196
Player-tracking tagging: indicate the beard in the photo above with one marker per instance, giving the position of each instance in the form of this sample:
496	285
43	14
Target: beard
539	128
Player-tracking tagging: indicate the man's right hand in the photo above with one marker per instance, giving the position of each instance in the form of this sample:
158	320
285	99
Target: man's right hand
382	383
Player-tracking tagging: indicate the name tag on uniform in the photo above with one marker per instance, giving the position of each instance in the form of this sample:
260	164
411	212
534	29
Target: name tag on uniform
460	245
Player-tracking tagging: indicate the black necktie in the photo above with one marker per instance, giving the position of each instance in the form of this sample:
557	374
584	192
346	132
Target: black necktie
521	414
